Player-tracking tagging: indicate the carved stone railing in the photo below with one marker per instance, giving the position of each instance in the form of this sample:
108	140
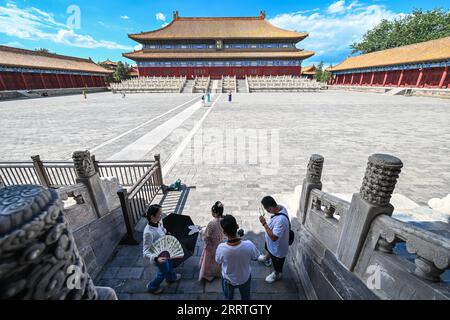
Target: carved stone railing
340	244
78	206
39	259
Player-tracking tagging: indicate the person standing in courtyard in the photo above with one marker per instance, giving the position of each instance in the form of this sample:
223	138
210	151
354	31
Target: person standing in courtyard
230	96
152	232
276	237
212	236
235	256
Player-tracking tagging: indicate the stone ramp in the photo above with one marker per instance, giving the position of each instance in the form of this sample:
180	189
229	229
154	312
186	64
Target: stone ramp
127	273
396	91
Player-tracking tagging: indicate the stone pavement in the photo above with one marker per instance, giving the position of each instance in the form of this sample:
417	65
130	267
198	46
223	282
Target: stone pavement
345	127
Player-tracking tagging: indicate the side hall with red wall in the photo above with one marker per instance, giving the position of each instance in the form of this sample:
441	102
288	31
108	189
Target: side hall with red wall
418	78
33	81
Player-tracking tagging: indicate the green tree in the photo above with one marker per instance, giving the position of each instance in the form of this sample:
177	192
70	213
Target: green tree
322	75
416	27
122	72
42	50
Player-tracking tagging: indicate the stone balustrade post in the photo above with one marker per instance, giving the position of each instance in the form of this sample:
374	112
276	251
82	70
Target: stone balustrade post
39	259
311	181
373	199
160	175
87	175
40	171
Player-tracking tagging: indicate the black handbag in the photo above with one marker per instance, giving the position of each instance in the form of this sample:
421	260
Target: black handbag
291	233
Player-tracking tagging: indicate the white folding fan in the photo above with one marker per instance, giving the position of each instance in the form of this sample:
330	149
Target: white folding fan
167	247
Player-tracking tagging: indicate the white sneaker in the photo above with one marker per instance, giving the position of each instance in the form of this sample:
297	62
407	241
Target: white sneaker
271	278
264	260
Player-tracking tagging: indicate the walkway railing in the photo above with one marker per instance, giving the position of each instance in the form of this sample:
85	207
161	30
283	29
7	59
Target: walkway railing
134	202
57	174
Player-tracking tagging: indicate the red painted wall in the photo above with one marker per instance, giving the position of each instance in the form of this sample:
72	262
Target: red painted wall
218	72
431	78
30	81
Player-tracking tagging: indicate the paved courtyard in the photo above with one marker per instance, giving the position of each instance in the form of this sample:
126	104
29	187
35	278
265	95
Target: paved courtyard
257	145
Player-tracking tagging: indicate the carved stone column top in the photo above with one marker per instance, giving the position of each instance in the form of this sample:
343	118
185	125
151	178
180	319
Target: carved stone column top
19	205
315	166
39	259
83	164
380	178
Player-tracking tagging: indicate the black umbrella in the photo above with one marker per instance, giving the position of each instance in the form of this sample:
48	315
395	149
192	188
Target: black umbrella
182	228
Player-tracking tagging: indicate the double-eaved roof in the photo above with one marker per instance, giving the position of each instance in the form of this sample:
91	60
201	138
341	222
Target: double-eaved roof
21	58
218	28
429	51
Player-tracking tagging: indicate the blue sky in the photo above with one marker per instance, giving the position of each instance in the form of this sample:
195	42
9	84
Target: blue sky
99	28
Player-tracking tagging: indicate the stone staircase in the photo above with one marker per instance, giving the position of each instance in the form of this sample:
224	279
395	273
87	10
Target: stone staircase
188	86
241	86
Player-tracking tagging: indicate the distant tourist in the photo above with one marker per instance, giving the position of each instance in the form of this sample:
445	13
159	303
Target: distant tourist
152	232
123	95
235	256
276	237
212	236
84	94
230	96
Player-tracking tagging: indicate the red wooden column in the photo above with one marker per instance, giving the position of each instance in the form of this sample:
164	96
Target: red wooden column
71	81
401	78
419	79
371	79
59	81
441	82
24	81
43	81
385	78
93	81
352	78
343	80
361	79
3	82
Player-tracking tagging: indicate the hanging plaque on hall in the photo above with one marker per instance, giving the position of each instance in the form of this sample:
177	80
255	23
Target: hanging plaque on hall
219	45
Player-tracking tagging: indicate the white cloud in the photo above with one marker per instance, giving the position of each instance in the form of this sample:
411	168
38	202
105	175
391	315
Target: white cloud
160	16
337	7
331	35
138	47
35	24
125	17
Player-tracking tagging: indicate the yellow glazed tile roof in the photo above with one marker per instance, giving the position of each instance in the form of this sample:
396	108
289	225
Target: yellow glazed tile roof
434	50
219	28
14	57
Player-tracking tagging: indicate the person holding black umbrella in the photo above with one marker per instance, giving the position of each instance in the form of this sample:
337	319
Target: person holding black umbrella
152	232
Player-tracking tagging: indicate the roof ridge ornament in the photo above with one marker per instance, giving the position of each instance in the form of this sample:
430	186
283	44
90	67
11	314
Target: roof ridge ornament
175	15
262	14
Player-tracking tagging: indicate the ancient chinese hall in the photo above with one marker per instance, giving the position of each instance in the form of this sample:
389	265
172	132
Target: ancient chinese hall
219	46
420	65
22	69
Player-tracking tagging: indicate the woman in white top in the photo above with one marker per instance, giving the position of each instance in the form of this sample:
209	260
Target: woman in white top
152	232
